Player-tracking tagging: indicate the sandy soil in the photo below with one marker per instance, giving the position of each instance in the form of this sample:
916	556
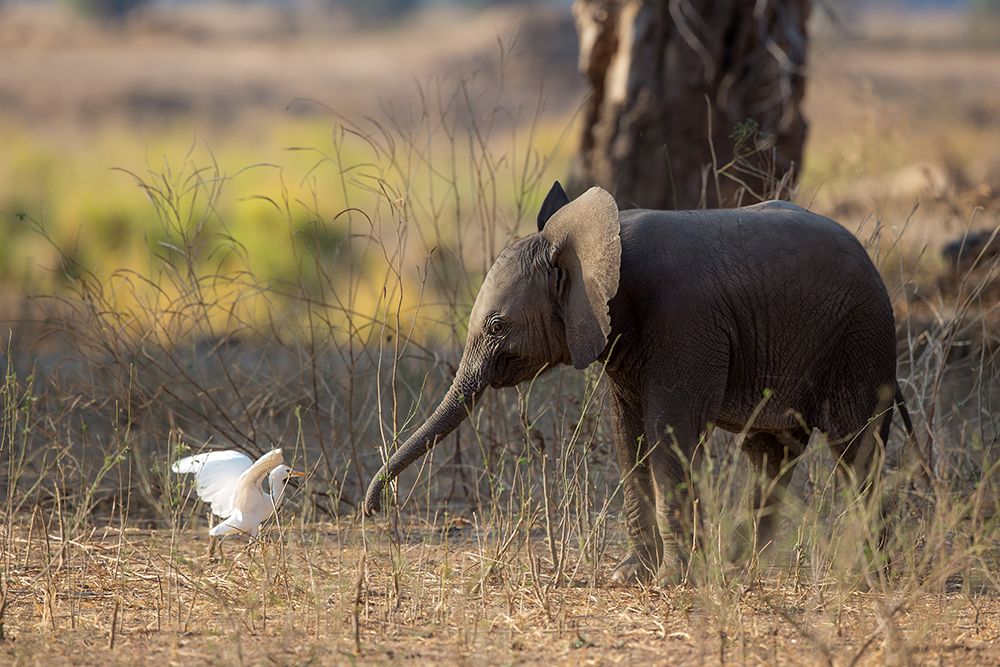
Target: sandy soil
294	602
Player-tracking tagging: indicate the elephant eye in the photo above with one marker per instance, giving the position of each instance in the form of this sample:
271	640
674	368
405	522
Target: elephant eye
495	327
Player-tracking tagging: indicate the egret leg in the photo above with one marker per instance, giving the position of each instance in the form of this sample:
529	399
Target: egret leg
215	546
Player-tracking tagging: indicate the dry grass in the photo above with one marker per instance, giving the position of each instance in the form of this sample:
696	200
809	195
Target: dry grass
114	596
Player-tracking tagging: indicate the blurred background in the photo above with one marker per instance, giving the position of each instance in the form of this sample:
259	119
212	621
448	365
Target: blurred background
901	101
264	222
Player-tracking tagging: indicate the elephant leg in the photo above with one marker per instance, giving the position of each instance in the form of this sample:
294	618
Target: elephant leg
773	458
858	454
669	460
645	544
855	437
859	462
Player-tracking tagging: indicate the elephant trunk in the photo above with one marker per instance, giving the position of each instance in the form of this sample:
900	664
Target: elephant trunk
452	411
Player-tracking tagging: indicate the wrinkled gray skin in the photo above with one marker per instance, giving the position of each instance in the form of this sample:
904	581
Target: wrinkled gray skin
703	311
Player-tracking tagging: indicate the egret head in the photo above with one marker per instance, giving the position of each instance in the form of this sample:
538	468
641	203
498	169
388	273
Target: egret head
279	479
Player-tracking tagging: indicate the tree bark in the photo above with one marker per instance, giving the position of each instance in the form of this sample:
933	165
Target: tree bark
692	103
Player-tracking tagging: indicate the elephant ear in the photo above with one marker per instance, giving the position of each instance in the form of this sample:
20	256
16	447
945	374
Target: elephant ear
587	248
554	201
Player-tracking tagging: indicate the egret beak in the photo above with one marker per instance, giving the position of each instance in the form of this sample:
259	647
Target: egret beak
296	473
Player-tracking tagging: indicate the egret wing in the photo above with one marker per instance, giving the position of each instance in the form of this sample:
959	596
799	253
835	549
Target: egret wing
216	476
249	482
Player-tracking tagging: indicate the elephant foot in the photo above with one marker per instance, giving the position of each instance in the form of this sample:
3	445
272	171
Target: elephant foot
673	566
632	571
670	573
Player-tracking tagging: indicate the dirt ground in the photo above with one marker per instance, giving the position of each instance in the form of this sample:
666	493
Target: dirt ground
114	596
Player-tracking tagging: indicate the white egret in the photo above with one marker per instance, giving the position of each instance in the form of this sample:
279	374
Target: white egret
231	483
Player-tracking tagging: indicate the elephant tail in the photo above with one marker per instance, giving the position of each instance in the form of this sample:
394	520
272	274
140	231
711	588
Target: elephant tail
898	403
904	414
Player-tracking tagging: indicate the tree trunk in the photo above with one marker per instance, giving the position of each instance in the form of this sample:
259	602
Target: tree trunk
693	103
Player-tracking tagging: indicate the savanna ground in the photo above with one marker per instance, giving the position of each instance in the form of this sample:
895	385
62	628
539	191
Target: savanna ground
269	270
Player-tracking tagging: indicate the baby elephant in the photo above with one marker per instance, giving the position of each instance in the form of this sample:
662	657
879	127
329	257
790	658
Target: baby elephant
695	314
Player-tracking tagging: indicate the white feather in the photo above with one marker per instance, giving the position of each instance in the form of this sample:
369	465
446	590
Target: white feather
247	487
216	477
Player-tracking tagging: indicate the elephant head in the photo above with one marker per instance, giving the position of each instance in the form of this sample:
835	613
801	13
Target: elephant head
543	302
